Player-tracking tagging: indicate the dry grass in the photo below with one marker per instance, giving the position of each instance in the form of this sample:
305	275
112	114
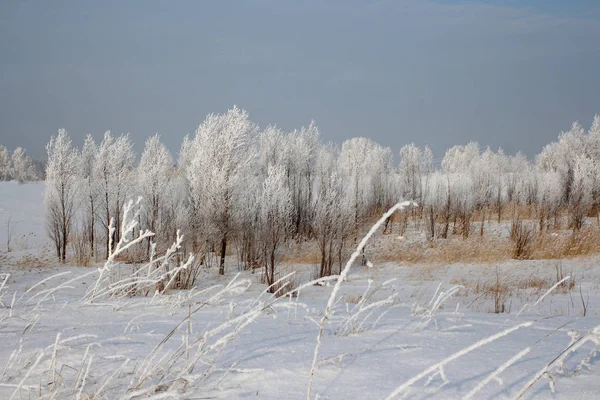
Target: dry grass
456	250
558	245
489	248
353	299
476	249
301	253
501	287
522	236
498	289
29	262
310	257
526	243
480	286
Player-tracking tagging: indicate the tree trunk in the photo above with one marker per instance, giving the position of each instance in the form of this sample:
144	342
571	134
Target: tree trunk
107	224
271	276
431	223
323	257
92	227
223	250
482	221
64	226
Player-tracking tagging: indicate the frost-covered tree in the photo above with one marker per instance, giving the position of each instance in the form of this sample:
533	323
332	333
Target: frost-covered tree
332	216
437	204
223	192
486	173
114	165
457	164
411	160
275	148
274	218
61	190
187	213
89	188
458	159
5	164
549	197
364	167
593	147
23	169
223	151
560	156
381	172
581	199
153	177
302	149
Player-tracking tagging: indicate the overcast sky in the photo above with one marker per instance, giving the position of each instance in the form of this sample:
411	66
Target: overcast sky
503	73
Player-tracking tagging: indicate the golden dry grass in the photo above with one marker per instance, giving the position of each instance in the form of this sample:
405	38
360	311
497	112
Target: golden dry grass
566	245
476	249
300	253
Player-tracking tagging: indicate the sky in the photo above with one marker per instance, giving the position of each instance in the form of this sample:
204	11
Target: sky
510	74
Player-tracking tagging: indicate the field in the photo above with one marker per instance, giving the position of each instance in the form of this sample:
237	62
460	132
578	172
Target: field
395	328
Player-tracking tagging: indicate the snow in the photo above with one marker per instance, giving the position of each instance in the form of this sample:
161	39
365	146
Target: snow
22	204
271	356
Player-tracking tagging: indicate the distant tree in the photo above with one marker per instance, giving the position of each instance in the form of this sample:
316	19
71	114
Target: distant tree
61	190
458	158
5	164
581	199
560	156
410	171
484	169
23	169
436	201
457	164
361	163
594	153
549	197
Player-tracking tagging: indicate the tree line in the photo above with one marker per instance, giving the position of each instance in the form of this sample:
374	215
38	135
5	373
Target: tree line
19	166
236	186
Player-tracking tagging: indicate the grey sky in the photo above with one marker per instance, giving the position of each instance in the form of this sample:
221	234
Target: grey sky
503	73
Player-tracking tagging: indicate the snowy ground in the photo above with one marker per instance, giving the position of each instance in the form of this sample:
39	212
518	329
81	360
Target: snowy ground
53	344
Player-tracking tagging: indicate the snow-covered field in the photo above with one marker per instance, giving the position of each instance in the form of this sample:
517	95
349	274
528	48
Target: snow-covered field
419	330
